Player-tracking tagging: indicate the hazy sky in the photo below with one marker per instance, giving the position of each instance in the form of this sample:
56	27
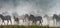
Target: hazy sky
36	7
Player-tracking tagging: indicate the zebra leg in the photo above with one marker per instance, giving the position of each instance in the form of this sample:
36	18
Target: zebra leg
3	22
7	22
11	22
54	22
17	22
34	22
28	22
40	23
14	22
23	20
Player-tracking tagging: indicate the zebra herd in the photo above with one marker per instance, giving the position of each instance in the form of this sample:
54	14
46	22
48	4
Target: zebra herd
16	19
30	17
